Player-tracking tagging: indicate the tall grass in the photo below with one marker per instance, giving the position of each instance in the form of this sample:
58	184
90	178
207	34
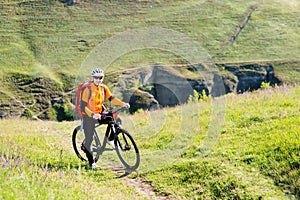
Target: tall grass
255	156
37	162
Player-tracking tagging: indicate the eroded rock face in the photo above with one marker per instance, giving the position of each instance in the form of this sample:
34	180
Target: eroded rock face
250	77
145	88
142	100
158	86
168	88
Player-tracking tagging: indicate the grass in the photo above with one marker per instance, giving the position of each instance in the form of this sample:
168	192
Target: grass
271	27
57	38
255	156
40	163
54	41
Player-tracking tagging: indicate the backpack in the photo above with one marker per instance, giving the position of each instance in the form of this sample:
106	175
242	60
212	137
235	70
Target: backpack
78	96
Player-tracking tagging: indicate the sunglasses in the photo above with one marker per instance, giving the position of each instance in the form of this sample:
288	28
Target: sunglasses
98	77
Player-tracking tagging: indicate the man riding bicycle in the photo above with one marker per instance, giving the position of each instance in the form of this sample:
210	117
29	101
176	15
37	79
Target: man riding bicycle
92	107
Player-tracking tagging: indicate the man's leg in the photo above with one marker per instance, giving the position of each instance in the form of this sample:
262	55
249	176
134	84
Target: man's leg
88	127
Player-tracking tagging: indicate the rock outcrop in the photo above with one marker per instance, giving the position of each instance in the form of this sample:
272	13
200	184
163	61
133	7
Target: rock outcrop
159	86
145	88
250	77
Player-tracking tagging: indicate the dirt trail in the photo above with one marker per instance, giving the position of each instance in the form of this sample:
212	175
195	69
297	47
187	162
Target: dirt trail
241	26
144	189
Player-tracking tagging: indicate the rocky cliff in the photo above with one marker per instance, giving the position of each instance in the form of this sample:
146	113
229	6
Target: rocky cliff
159	86
145	88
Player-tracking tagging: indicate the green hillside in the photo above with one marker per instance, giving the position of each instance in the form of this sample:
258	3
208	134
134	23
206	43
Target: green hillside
46	44
255	155
48	37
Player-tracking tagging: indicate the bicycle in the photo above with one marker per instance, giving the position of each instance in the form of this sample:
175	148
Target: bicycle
125	145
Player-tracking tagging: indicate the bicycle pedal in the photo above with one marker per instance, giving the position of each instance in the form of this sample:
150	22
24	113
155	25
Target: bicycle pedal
127	147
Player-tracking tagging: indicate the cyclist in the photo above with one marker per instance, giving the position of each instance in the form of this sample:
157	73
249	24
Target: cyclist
92	107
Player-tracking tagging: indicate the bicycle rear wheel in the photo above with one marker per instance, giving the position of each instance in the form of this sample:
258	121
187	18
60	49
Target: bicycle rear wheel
78	139
127	150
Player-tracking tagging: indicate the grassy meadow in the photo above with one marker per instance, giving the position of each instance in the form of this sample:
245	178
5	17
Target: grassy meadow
46	38
50	43
255	156
243	146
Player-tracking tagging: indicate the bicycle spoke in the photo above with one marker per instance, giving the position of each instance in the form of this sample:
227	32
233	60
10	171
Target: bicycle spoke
78	141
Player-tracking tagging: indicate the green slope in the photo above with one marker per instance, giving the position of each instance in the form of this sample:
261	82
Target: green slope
255	156
43	37
51	40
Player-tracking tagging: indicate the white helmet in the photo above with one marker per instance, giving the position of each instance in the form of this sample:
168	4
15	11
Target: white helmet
97	72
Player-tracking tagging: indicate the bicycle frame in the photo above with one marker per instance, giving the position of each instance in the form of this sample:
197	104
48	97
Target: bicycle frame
125	145
111	128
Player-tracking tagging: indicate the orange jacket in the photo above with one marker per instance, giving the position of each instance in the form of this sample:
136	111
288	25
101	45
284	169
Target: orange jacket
94	97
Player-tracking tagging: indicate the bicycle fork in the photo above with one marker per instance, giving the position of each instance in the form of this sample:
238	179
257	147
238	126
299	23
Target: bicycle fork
127	146
110	132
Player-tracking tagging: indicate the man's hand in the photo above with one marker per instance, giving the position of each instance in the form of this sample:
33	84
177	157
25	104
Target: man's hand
126	105
96	116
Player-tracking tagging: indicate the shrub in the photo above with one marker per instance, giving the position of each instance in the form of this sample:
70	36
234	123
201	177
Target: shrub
197	97
265	85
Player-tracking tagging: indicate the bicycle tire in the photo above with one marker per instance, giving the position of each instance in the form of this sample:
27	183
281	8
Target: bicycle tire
78	140
129	157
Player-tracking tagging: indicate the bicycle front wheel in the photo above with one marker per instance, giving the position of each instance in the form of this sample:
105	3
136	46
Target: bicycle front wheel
127	150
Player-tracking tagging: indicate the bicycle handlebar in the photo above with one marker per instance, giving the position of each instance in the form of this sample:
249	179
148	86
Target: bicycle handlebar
118	110
111	112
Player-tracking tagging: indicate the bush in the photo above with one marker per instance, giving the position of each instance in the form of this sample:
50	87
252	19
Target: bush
265	85
64	112
197	97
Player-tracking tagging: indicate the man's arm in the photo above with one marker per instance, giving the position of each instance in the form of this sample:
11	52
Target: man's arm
118	102
114	100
